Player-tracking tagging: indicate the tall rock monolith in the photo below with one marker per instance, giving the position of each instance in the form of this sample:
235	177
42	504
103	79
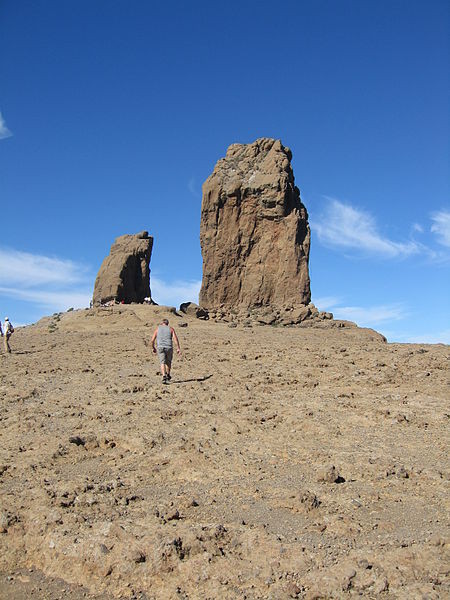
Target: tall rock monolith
254	231
125	273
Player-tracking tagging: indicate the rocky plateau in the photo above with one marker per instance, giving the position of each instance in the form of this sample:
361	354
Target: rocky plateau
305	461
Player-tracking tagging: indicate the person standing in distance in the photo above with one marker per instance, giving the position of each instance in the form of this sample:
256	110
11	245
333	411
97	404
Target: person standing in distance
164	337
9	330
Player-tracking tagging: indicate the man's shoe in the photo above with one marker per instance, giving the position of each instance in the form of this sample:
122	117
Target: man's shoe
164	379
168	377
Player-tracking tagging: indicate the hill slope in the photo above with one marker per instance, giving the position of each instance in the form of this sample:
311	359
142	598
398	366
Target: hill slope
220	485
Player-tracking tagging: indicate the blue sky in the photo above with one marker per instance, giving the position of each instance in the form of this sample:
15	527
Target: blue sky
113	113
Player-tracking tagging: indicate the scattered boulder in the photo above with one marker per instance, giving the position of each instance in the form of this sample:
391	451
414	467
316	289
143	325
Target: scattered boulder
77	440
194	310
330	475
254	231
124	275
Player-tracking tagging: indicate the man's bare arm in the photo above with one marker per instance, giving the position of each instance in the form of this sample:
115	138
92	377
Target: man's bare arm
154	339
174	335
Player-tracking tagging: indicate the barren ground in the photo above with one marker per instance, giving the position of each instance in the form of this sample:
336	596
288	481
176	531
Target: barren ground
220	485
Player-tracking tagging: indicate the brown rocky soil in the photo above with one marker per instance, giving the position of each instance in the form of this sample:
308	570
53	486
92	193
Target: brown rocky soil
307	462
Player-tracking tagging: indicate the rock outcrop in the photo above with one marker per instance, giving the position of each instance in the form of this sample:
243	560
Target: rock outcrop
254	231
193	310
125	273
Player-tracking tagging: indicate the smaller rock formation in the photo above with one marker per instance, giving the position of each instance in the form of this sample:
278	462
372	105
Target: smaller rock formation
124	275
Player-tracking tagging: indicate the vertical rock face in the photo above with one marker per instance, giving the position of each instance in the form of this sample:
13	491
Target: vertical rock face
125	273
254	230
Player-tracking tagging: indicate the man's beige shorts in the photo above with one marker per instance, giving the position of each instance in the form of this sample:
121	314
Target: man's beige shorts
165	356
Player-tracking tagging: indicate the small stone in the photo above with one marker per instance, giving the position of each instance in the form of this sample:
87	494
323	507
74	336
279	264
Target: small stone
105	570
4	522
173	515
309	500
364	563
347	576
104	549
330	475
436	540
381	585
137	556
402	418
293	589
77	440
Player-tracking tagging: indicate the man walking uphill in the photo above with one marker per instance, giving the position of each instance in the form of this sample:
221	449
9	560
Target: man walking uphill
164	336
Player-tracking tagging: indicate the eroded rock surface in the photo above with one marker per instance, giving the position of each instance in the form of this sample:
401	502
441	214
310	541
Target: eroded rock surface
125	272
254	231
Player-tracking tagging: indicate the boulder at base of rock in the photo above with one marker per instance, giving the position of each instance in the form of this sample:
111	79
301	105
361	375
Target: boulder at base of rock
125	273
254	231
194	310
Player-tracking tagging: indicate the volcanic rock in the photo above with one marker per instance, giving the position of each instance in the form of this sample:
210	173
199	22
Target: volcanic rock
254	231
193	310
125	273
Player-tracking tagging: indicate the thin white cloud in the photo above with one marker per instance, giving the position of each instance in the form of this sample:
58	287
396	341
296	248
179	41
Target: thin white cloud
342	225
367	316
56	300
27	270
4	131
439	337
441	226
49	283
173	294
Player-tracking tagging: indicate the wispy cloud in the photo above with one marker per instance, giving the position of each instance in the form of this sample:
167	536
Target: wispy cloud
53	300
342	225
26	269
4	131
48	282
368	316
438	337
192	187
173	294
326	302
441	226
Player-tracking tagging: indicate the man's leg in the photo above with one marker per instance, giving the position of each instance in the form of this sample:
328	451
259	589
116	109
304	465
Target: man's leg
162	361
7	348
169	357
